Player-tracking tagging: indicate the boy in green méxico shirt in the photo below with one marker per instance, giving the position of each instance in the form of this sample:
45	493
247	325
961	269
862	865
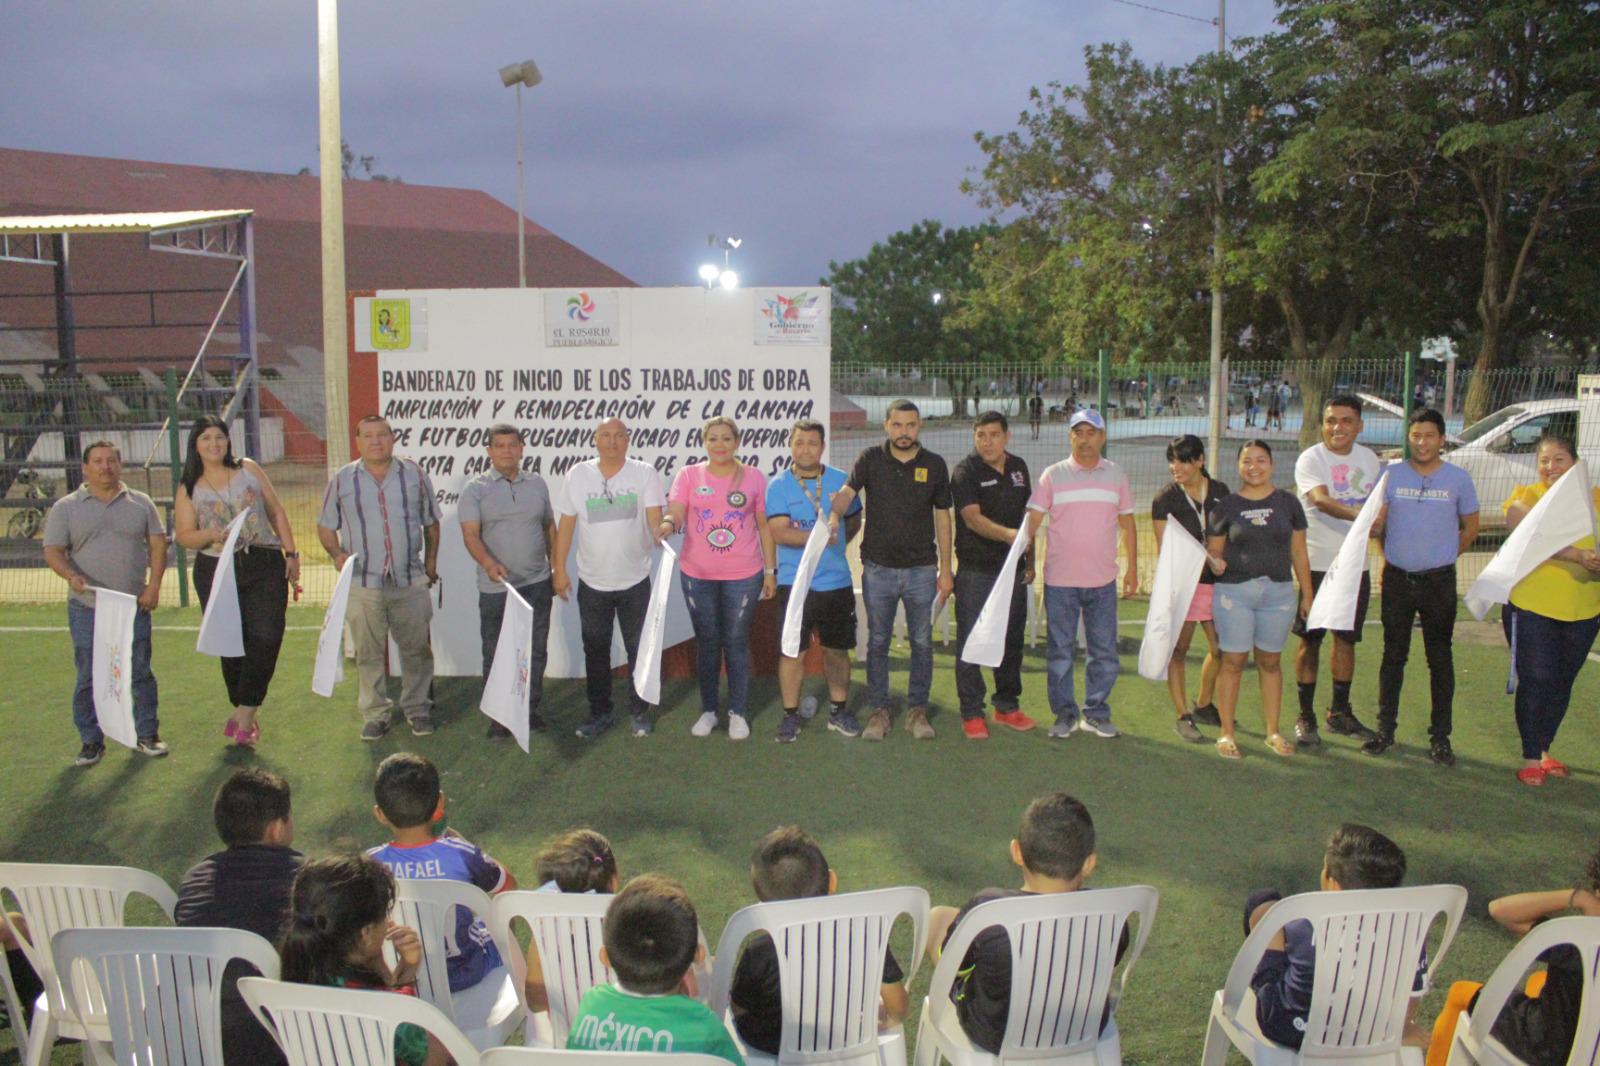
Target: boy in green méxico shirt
651	940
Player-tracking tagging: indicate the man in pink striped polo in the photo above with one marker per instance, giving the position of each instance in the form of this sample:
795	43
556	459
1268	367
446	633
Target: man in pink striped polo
1087	500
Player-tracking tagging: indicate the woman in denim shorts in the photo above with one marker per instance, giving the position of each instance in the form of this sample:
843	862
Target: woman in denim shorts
1257	547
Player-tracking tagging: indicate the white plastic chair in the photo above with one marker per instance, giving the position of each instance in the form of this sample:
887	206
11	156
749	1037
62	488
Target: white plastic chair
1369	944
830	964
320	1026
1472	1044
1063	959
543	1056
567	930
487	1012
160	989
51	898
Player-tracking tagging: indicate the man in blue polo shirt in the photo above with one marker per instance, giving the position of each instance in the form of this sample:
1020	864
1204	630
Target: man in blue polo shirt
794	501
1429	517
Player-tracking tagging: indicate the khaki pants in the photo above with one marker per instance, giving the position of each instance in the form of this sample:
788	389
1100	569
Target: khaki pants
375	615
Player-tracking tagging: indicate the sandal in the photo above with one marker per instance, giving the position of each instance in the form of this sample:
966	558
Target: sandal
246	738
1554	767
1227	748
1531	775
1279	745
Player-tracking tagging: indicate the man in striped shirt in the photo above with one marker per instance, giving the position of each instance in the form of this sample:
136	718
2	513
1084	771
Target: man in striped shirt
1087	500
381	509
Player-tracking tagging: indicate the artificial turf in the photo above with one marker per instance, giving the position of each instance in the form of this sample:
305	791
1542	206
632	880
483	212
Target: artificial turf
938	814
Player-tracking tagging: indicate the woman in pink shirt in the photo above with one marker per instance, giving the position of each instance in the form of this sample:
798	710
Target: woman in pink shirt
727	563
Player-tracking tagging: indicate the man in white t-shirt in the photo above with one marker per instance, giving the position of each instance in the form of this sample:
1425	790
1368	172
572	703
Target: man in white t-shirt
1334	479
616	501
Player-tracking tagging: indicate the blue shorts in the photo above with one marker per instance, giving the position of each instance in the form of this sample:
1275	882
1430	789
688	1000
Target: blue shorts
1254	614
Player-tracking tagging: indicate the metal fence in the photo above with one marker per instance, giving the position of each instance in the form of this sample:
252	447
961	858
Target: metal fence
1146	406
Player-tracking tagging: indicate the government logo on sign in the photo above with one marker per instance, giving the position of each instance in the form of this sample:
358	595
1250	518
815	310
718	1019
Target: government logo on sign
580	307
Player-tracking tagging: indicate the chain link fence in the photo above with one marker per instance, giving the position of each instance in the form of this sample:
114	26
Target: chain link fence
1145	406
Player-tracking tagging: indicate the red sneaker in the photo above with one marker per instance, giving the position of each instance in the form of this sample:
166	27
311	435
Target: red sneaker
975	728
1015	720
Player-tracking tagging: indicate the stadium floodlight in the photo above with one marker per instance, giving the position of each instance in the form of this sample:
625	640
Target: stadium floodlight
729	279
520	74
709	273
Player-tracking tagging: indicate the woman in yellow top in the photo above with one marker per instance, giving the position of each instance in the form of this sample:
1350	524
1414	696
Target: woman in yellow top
1551	622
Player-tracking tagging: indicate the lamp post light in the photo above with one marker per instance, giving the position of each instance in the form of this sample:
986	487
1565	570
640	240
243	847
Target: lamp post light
728	279
520	74
709	274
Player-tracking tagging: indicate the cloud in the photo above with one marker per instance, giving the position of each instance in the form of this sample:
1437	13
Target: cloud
812	131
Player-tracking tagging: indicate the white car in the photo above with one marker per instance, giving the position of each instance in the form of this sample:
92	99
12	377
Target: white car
1498	450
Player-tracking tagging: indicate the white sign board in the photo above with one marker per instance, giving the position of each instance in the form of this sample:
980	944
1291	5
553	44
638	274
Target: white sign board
557	362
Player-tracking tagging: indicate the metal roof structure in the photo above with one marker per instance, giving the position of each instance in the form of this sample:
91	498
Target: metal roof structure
140	222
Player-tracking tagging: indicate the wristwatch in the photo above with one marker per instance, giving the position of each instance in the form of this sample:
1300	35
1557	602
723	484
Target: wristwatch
291	555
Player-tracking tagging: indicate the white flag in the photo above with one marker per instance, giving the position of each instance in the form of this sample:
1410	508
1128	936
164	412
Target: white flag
1177	576
1335	604
221	629
986	644
647	668
114	614
505	689
1563	516
329	670
794	613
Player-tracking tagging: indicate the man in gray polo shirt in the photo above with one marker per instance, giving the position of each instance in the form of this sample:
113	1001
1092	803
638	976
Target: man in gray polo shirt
381	508
107	535
508	526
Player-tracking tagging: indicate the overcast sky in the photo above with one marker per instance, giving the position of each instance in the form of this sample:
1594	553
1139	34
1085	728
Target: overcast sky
808	129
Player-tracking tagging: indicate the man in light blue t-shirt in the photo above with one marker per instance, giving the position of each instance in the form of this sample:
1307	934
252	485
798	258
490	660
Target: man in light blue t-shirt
1429	517
794	500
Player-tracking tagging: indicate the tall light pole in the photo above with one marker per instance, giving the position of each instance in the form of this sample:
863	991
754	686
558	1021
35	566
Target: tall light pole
335	344
520	74
1218	386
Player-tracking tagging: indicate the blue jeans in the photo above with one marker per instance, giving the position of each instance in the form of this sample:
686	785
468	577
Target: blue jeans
883	588
1098	606
721	612
80	623
1549	655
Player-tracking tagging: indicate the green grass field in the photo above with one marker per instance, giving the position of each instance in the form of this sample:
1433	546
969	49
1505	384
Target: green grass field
937	814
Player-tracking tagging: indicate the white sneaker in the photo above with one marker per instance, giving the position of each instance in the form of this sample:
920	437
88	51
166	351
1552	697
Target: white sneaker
738	727
706	723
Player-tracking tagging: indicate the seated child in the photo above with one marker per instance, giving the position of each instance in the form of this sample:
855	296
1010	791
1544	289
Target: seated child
788	864
338	923
1537	1024
651	941
1356	857
1055	849
246	886
579	861
411	806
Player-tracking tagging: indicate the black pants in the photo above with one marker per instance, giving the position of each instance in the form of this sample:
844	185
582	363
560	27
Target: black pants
1430	594
263	600
596	609
972	592
492	613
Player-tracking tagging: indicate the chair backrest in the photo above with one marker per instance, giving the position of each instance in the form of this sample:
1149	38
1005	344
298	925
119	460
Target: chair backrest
1584	935
53	897
1063	961
830	966
429	907
567	931
161	989
320	1026
1369	946
540	1056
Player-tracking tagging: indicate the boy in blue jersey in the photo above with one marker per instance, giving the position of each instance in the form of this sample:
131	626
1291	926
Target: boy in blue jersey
794	500
411	806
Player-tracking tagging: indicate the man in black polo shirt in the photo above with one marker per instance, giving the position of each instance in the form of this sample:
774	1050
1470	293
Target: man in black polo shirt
907	514
245	887
990	488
